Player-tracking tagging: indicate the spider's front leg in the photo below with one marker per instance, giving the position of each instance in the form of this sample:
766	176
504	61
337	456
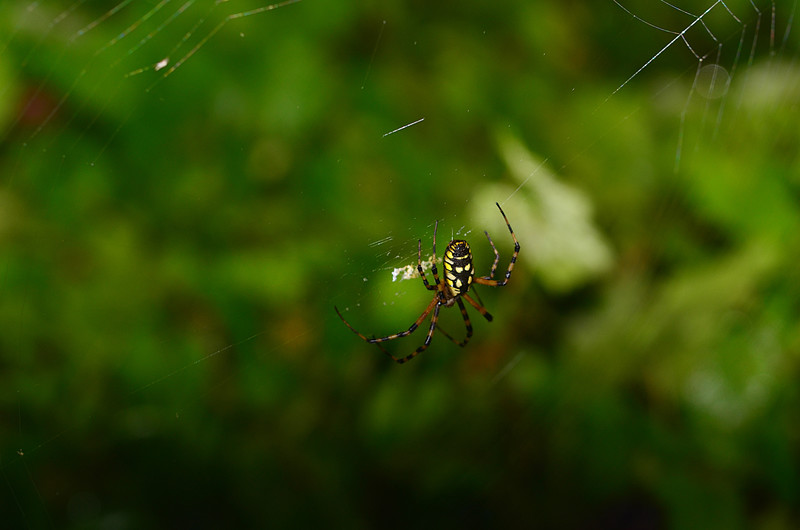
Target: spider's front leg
420	269
434	268
487	280
496	257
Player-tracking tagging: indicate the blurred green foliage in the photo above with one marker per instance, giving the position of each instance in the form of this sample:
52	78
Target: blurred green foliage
171	249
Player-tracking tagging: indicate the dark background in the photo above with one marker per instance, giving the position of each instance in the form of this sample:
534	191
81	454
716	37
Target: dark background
171	249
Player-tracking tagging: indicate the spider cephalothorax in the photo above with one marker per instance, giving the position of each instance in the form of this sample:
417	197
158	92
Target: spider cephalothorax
459	275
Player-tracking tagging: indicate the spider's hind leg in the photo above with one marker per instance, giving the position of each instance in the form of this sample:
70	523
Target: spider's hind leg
467	324
482	310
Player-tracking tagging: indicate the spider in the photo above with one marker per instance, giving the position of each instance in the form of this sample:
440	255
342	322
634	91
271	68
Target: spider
458	278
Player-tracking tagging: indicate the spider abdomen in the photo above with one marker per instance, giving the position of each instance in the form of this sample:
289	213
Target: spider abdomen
458	269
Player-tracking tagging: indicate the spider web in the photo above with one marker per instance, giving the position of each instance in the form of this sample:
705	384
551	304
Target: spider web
86	78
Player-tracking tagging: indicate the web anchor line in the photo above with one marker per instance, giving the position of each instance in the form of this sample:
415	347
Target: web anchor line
680	35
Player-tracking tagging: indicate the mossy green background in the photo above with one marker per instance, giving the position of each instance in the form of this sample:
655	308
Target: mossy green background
171	250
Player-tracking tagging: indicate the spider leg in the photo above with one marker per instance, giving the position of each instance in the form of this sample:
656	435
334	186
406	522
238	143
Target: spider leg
477	295
409	331
482	310
467	324
487	280
496	255
433	266
419	266
425	345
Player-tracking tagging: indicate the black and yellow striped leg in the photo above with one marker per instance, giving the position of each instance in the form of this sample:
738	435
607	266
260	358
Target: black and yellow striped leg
496	256
467	324
428	337
482	310
409	331
487	280
419	267
435	270
434	306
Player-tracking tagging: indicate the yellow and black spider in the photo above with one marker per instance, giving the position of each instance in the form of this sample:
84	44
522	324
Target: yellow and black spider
458	278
